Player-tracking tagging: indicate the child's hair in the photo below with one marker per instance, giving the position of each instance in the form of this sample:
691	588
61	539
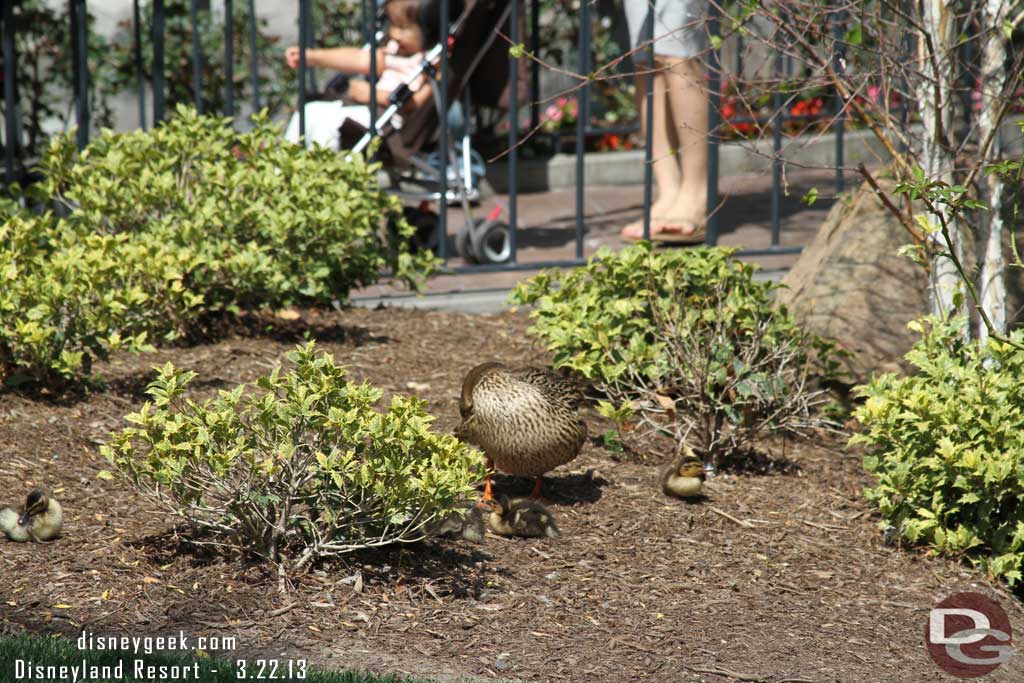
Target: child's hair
425	14
404	12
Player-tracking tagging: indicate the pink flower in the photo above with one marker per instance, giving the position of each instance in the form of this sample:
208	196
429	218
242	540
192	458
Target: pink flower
553	113
873	92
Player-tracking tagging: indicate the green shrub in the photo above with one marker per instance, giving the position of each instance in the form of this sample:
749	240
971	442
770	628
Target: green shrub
188	219
306	464
71	297
686	337
947	447
270	223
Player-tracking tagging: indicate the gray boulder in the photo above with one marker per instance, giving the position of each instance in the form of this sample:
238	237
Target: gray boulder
852	285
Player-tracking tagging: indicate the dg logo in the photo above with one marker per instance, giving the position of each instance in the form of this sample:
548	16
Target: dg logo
968	635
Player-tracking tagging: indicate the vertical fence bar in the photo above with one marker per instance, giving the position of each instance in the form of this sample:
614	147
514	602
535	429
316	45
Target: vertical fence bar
197	56
140	76
583	109
229	59
371	9
442	209
12	138
254	61
513	135
714	104
779	118
908	46
311	73
581	125
159	84
303	8
648	38
738	73
838	26
80	66
534	64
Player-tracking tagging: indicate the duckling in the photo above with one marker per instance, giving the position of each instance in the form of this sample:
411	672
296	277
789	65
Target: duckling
684	478
521	517
526	420
466	524
40	520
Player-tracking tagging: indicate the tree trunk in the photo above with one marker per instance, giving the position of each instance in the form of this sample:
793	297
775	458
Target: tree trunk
992	281
936	53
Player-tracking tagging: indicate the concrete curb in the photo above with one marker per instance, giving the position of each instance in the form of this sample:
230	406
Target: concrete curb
493	300
735	158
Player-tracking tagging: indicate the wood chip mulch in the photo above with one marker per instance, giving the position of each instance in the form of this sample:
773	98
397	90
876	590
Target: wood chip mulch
778	575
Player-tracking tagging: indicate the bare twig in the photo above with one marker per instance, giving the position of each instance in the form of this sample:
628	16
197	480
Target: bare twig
742	522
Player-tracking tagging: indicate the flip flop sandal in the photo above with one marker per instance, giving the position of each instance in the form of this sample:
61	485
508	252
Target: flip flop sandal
673	237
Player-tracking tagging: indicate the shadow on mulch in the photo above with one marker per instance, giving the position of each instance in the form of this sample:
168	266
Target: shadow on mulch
165	547
311	324
453	567
567	489
758	463
134	386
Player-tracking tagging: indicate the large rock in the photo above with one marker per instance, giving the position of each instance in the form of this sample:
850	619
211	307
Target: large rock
850	284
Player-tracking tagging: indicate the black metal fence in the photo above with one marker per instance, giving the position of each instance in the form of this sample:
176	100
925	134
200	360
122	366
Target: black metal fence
157	86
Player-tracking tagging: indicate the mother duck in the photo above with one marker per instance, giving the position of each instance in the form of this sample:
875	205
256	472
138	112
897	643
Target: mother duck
526	420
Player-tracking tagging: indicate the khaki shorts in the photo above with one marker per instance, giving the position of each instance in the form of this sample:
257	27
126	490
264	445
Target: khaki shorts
679	29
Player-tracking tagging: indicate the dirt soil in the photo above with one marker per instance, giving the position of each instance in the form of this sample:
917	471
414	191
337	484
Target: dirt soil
778	574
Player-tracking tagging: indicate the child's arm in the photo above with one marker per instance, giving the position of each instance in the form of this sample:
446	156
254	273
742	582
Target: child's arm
359	92
421	96
349	60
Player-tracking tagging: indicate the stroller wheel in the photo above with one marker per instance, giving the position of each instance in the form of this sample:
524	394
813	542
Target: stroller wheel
464	240
492	242
427	226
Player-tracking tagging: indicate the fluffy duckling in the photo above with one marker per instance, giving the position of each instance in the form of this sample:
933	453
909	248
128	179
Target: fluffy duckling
521	517
465	524
526	420
684	478
41	519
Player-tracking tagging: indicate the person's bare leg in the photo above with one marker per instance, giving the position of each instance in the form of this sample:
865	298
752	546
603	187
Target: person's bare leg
688	107
664	143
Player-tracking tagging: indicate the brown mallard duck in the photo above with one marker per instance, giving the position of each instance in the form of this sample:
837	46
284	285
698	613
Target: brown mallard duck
41	519
685	477
526	420
521	517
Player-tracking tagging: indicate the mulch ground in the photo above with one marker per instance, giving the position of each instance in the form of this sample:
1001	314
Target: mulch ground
778	574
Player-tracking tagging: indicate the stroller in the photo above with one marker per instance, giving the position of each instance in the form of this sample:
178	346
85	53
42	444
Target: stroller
478	74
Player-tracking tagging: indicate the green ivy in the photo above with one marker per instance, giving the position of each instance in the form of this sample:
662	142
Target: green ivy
947	448
302	461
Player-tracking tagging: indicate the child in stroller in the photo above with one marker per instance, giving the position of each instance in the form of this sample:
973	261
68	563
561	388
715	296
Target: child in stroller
412	25
411	109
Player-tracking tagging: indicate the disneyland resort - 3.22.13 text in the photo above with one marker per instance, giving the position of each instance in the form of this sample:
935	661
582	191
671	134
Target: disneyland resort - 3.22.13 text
136	668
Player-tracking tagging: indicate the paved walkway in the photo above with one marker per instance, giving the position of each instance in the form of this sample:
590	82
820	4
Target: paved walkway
547	233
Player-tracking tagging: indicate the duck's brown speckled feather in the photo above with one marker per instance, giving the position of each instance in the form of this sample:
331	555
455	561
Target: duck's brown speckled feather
525	419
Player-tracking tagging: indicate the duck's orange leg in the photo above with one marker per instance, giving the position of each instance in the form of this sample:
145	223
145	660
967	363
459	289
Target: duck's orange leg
488	495
536	488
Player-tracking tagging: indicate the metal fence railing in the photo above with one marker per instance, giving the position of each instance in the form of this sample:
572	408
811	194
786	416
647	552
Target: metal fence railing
156	88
